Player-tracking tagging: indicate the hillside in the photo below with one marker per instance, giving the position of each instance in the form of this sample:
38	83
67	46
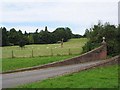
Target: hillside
73	46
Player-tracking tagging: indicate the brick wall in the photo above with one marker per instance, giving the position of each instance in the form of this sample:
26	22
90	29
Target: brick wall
99	53
111	61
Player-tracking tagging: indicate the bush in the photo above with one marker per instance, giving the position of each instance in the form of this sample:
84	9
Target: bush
110	32
22	43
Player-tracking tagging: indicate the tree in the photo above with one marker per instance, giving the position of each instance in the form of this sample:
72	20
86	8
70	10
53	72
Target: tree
87	33
76	36
118	38
62	33
25	33
30	38
95	38
13	37
36	37
46	37
5	41
68	32
22	43
46	29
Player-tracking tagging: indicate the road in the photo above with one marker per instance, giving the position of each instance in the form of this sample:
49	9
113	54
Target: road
14	79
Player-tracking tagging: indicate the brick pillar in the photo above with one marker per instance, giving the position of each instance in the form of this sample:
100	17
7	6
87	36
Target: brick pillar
104	51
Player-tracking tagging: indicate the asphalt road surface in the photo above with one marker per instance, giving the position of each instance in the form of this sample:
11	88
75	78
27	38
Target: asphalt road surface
15	79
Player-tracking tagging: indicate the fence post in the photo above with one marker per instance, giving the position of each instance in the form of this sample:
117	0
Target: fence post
51	52
32	52
12	54
69	52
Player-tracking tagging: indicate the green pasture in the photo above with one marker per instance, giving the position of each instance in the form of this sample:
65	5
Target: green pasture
70	49
17	63
73	46
102	77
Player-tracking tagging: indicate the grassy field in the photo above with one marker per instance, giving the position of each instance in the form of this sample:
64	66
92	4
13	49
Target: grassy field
17	63
104	77
73	46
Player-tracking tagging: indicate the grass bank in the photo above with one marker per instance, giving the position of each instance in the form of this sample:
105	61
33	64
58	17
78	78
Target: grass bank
102	77
17	63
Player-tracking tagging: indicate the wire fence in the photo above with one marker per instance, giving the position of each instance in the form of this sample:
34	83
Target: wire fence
40	52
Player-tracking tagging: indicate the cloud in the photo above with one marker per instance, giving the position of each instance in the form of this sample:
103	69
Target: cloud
63	12
74	14
60	1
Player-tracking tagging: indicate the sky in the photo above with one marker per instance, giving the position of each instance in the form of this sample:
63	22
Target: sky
119	13
78	15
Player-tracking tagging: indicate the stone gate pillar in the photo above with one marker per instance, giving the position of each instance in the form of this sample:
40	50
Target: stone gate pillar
104	50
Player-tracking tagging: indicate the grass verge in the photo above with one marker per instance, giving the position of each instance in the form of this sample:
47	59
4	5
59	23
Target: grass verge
102	77
17	63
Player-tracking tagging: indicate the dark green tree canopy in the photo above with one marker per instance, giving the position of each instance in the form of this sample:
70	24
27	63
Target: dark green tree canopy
13	37
110	32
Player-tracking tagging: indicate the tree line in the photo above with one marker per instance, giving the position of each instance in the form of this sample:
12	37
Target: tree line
110	32
13	37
